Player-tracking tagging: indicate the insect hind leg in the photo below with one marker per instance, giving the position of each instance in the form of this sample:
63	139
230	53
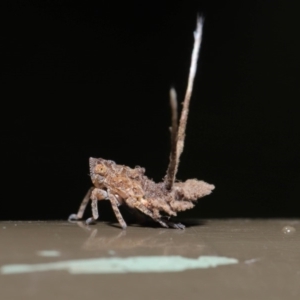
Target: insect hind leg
174	225
138	205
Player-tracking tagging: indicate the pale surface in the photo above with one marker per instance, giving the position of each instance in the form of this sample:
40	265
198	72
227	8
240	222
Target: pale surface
267	253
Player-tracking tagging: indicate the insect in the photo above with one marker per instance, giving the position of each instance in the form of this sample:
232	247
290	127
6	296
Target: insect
122	185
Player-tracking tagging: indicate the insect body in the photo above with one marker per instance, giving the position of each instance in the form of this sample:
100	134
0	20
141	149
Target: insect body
123	185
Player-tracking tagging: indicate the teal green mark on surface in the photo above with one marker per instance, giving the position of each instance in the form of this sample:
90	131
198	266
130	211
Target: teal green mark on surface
48	253
139	264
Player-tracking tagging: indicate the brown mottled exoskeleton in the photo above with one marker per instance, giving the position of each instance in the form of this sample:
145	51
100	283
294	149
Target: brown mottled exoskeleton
124	185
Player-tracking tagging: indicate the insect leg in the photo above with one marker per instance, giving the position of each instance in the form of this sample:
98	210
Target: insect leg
138	205
97	194
175	225
82	207
115	204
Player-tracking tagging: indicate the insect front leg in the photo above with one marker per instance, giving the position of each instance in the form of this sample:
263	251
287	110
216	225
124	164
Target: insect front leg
138	205
97	194
78	216
114	203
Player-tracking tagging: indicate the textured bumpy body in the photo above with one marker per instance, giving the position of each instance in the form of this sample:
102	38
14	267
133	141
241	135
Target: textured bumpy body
131	187
124	185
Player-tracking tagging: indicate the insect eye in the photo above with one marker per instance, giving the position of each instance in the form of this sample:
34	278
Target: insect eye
100	169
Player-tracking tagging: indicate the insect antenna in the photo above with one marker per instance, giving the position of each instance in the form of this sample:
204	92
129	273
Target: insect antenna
178	132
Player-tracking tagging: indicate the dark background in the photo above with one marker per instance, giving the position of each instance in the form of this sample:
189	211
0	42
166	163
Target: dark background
92	79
